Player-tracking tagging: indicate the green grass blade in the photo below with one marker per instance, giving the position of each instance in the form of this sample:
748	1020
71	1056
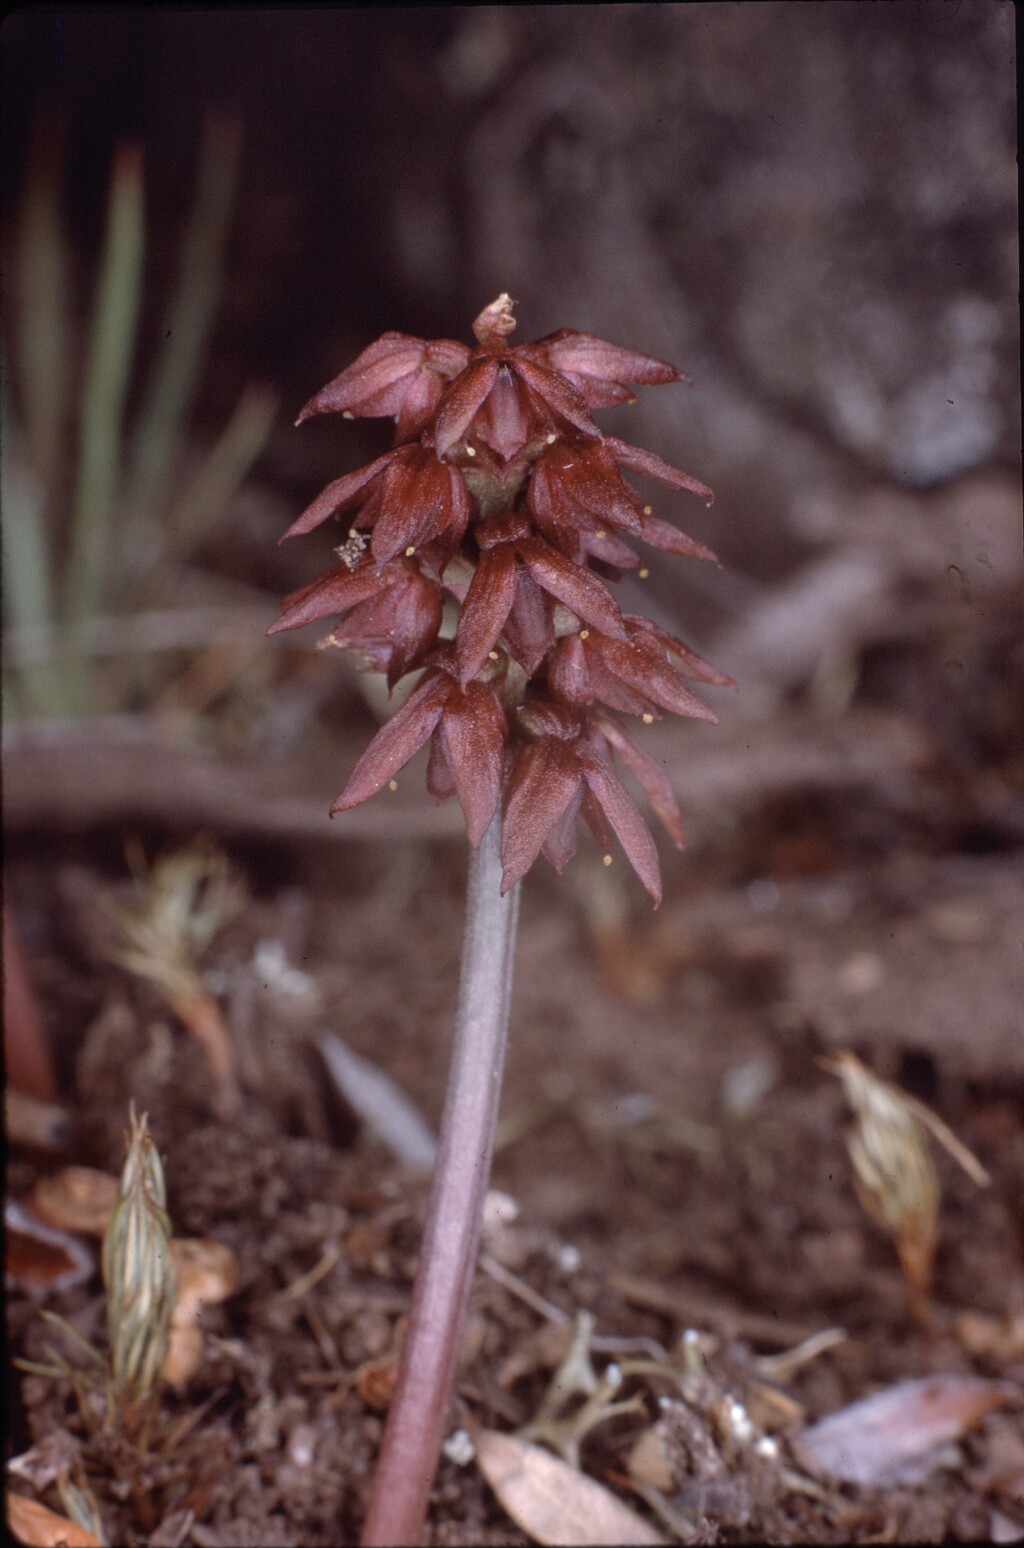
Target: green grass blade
188	322
27	586
107	378
222	471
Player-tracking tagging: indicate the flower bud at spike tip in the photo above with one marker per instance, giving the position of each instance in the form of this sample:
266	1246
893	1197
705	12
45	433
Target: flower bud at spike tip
478	555
496	321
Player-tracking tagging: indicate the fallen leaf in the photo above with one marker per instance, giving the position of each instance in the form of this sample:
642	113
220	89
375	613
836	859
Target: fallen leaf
77	1198
552	1502
39	1527
37	1257
894	1436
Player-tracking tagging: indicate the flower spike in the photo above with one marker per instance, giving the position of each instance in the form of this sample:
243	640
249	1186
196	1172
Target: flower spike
503	499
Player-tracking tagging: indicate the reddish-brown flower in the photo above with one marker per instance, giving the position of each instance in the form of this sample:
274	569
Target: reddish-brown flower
503	495
639	674
390	615
407	497
577	494
469	730
517	575
562	771
397	376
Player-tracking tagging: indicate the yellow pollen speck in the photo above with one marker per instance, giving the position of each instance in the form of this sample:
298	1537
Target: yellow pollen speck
648	511
648	720
602	534
607	860
470	451
409	551
643	574
552	439
584	634
492	655
347	414
392	784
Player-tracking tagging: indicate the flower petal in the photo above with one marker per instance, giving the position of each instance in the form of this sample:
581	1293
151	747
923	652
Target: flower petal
639	461
556	393
581	591
631	830
598	368
485	609
416	503
587	355
504	418
339	494
649	773
560	845
648	636
662	534
375	382
655	680
529	630
395	629
581	487
568	674
541	786
333	592
396	742
474	731
440	779
461	402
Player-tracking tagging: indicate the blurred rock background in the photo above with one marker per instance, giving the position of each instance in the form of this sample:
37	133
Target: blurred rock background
811	208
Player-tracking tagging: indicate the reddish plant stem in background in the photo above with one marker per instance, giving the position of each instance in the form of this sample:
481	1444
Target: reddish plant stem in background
27	1055
419	1409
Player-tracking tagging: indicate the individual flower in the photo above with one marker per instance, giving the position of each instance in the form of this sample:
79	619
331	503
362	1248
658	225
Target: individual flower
601	372
507	397
391	615
407	497
576	494
469	730
563	771
577	488
638	674
397	376
517	575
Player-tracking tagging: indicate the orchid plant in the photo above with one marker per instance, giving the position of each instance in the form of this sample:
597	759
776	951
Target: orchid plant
502	497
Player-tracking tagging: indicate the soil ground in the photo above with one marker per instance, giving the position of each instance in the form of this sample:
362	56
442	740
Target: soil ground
676	1151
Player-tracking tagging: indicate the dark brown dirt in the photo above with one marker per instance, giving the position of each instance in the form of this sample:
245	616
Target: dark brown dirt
676	1152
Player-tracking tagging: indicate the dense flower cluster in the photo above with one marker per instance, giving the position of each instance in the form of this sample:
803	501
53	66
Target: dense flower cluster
502	495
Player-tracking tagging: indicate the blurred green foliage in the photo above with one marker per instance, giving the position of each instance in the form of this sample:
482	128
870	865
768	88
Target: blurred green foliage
102	494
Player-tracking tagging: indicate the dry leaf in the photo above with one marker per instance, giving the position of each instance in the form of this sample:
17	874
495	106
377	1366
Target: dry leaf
39	1527
39	1258
893	1436
552	1502
77	1198
206	1273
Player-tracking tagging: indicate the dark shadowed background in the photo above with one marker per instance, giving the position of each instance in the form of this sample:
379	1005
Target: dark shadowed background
812	210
